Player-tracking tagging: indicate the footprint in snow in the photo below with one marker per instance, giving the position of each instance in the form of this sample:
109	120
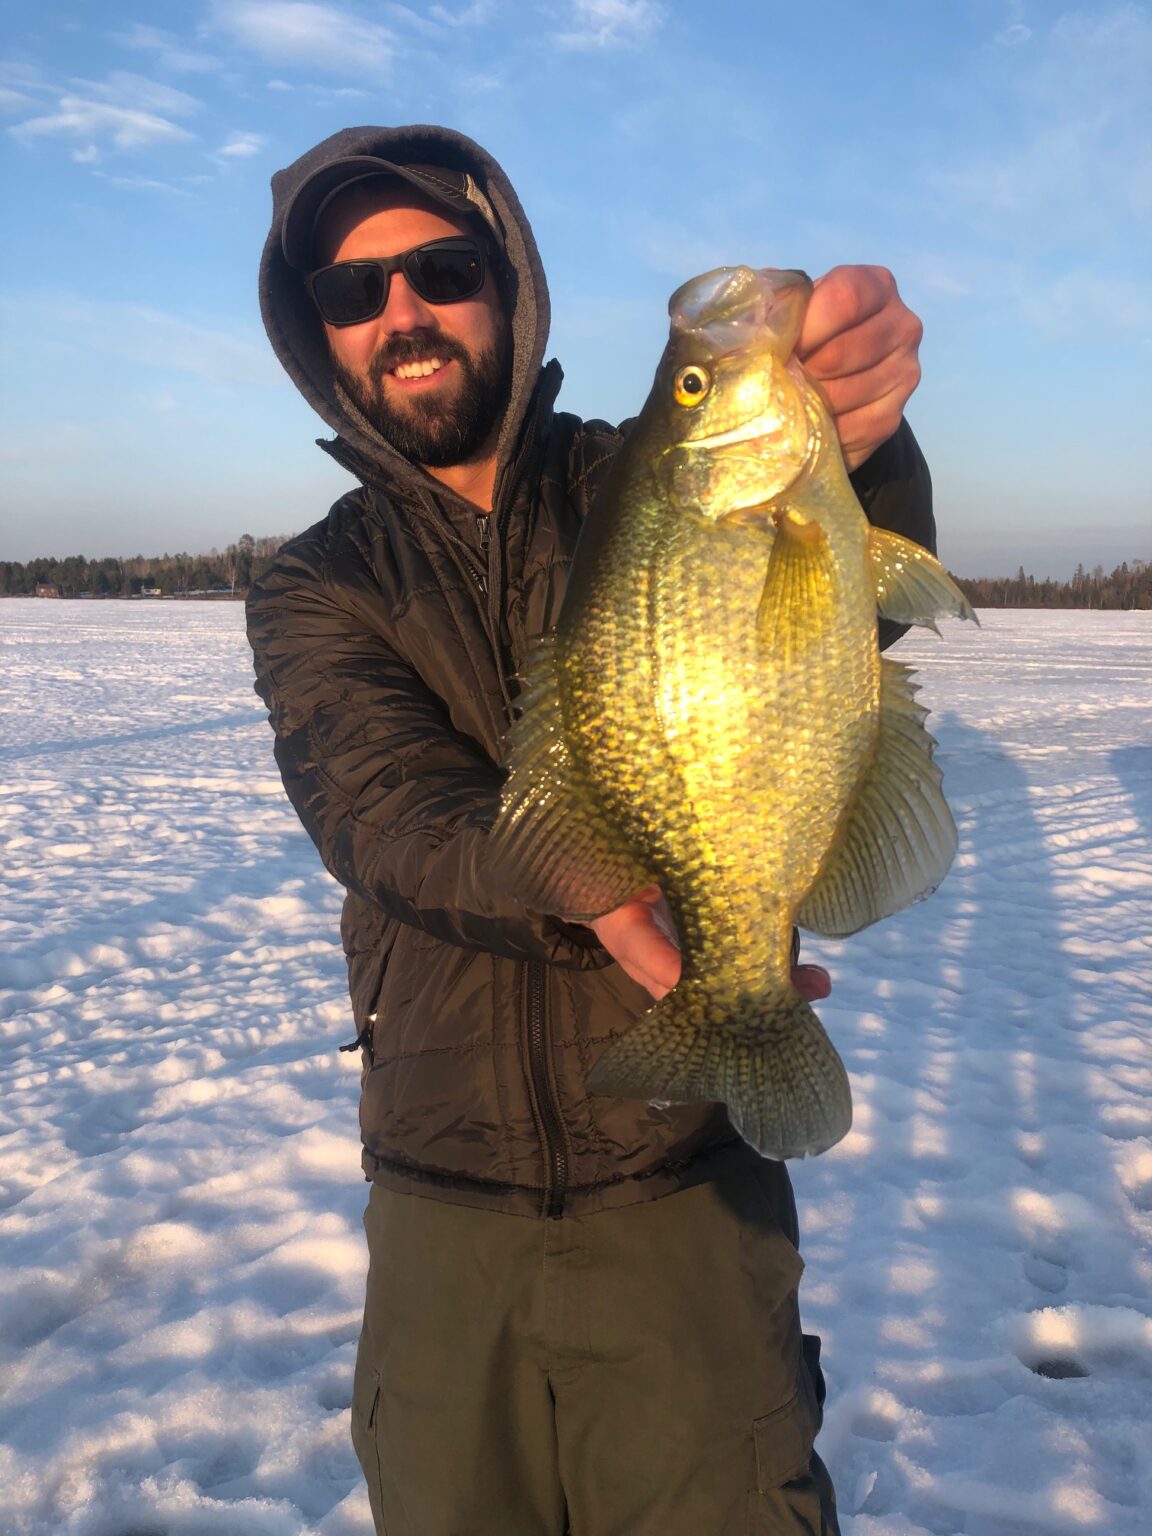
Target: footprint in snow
334	1391
106	1121
1071	1342
1046	1275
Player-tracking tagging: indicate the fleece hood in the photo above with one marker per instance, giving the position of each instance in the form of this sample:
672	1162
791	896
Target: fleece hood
295	330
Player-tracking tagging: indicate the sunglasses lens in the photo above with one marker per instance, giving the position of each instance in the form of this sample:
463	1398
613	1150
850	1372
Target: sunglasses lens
442	273
350	293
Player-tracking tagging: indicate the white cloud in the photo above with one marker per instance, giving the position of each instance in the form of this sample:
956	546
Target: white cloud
22	77
92	120
241	145
146	337
1087	301
160	401
173	344
939	275
299	32
14	101
278	85
428	27
169	51
474	14
610	24
89	155
1101	59
673	246
124	89
124	111
141	184
1014	36
1070	127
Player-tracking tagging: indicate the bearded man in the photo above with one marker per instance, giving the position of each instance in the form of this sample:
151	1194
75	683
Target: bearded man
581	1312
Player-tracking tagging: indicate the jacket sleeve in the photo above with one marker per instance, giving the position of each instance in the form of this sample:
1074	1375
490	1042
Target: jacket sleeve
397	801
895	490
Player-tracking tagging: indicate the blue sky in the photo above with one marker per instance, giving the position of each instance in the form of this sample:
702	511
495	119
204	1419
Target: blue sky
995	154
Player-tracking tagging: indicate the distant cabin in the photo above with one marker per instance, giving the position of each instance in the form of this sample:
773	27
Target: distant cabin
149	591
47	589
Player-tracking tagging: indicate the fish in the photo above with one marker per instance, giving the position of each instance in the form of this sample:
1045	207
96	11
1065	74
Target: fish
712	715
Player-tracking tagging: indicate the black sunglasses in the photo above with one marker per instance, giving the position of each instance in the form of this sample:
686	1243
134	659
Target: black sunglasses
440	271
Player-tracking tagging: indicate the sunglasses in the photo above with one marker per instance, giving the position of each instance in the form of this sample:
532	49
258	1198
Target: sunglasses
440	271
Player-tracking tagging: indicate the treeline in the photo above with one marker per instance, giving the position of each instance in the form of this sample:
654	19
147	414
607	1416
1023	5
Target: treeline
1128	586
234	569
230	570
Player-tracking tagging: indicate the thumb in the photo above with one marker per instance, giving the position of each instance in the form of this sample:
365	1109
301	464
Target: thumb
812	982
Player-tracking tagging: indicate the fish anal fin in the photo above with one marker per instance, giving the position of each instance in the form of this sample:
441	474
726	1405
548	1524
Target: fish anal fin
551	847
912	587
898	839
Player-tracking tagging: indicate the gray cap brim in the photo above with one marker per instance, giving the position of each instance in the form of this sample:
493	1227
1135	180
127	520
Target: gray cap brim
456	190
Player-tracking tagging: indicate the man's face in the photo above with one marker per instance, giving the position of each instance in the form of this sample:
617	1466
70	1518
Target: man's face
433	379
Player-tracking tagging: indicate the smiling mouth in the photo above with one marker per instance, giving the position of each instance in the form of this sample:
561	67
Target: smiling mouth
421	370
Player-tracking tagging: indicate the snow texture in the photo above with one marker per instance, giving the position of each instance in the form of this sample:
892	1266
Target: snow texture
180	1194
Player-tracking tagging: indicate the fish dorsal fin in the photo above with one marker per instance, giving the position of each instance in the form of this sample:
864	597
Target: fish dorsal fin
912	587
551	846
898	838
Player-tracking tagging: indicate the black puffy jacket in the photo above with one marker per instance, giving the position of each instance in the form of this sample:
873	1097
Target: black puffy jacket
387	640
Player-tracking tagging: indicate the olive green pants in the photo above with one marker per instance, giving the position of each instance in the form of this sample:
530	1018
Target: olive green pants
637	1372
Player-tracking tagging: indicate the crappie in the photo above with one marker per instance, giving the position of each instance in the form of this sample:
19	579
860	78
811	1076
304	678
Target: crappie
712	715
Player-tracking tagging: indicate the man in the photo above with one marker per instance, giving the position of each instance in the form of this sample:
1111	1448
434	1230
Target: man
581	1312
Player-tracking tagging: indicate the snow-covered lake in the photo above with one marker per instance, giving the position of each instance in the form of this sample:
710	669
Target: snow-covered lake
180	1195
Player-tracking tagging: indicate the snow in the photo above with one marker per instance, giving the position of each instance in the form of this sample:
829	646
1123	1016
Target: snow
180	1195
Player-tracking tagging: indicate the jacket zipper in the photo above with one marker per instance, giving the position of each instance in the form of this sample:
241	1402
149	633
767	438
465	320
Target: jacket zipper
551	1125
553	1143
484	528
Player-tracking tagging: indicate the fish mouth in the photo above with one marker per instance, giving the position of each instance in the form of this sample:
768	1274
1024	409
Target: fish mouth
766	425
759	298
731	306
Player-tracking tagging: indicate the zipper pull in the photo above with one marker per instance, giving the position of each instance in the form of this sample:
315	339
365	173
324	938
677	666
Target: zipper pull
363	1040
484	528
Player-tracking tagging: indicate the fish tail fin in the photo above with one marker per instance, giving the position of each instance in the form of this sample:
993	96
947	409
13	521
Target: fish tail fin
767	1058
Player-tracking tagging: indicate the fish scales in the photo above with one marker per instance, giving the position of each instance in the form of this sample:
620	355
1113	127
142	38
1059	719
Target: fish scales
712	715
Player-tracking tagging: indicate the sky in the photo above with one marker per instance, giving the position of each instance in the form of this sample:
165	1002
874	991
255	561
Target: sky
996	155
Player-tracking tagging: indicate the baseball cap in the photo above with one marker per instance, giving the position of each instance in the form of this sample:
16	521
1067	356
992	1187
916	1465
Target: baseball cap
455	189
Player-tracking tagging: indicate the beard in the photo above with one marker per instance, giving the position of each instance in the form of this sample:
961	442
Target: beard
437	432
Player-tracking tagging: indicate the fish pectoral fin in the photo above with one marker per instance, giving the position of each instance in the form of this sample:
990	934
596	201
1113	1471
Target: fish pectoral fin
898	839
912	587
551	847
801	588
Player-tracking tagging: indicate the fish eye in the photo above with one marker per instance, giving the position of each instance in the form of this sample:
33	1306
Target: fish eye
691	384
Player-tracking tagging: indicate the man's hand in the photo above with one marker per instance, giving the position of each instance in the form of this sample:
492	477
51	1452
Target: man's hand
860	344
641	938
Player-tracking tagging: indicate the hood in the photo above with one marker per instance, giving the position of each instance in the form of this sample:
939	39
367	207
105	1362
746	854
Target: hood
295	330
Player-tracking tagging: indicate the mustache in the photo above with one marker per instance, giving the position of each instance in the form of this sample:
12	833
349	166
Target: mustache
414	347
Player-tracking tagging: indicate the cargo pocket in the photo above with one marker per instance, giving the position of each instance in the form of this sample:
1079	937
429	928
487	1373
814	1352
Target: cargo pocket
784	1442
365	1409
793	1491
